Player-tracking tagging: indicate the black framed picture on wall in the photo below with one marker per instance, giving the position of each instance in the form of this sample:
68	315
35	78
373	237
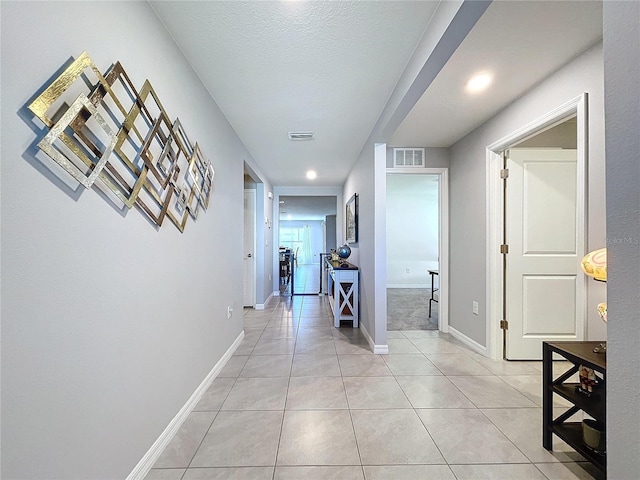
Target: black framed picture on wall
351	217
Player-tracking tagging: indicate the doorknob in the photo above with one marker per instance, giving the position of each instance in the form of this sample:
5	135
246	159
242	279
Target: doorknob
248	255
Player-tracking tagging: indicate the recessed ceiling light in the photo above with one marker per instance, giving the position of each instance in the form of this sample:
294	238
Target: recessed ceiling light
479	82
311	174
281	202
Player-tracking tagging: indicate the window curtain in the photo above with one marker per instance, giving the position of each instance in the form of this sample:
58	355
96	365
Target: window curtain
307	256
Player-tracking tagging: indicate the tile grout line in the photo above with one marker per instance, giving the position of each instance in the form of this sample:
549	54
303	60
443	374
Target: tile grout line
353	427
278	315
415	412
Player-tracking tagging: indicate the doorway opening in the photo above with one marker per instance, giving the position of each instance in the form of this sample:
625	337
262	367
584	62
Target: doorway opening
416	231
307	230
249	253
537	234
249	258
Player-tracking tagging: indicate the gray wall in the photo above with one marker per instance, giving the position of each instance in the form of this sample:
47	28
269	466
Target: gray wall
564	135
249	183
622	108
108	325
448	27
330	233
361	181
468	189
435	157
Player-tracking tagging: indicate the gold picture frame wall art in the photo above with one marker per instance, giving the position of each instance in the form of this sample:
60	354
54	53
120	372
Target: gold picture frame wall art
102	130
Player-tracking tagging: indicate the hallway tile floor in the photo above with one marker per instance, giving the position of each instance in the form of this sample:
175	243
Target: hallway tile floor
306	279
301	399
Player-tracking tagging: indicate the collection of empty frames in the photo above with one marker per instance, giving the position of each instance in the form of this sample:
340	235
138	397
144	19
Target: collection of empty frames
102	129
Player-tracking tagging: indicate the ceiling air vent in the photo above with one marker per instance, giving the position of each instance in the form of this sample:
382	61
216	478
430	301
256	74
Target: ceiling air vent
408	157
301	135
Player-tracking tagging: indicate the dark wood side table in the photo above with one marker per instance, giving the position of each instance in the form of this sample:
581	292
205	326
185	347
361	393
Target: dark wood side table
578	353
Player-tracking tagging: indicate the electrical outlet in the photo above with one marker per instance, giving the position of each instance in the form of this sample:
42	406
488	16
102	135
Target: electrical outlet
475	308
229	312
408	270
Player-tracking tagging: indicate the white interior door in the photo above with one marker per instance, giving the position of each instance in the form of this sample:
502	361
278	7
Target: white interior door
249	248
545	290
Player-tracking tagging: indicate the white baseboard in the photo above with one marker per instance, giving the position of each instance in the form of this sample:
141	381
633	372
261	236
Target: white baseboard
472	344
260	306
377	349
149	459
381	349
410	285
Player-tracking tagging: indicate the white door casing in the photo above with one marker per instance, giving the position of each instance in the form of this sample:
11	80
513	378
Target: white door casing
577	107
443	239
249	255
544	297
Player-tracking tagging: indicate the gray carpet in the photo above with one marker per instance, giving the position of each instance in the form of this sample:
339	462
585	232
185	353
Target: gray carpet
408	309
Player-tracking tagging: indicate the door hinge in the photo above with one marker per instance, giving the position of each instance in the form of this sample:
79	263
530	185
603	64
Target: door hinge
504	249
504	173
504	325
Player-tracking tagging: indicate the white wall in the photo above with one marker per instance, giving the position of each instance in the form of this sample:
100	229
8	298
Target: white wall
412	229
108	325
468	189
622	108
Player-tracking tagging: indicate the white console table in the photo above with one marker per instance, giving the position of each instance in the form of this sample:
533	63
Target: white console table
343	291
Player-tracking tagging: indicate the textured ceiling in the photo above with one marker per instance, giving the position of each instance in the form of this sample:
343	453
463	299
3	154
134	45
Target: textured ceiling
521	43
274	67
330	67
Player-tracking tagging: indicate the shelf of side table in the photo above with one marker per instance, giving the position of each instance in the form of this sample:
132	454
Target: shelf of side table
571	434
578	353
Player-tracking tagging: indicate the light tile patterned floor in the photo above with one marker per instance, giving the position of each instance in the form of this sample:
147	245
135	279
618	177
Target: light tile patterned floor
303	400
307	278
